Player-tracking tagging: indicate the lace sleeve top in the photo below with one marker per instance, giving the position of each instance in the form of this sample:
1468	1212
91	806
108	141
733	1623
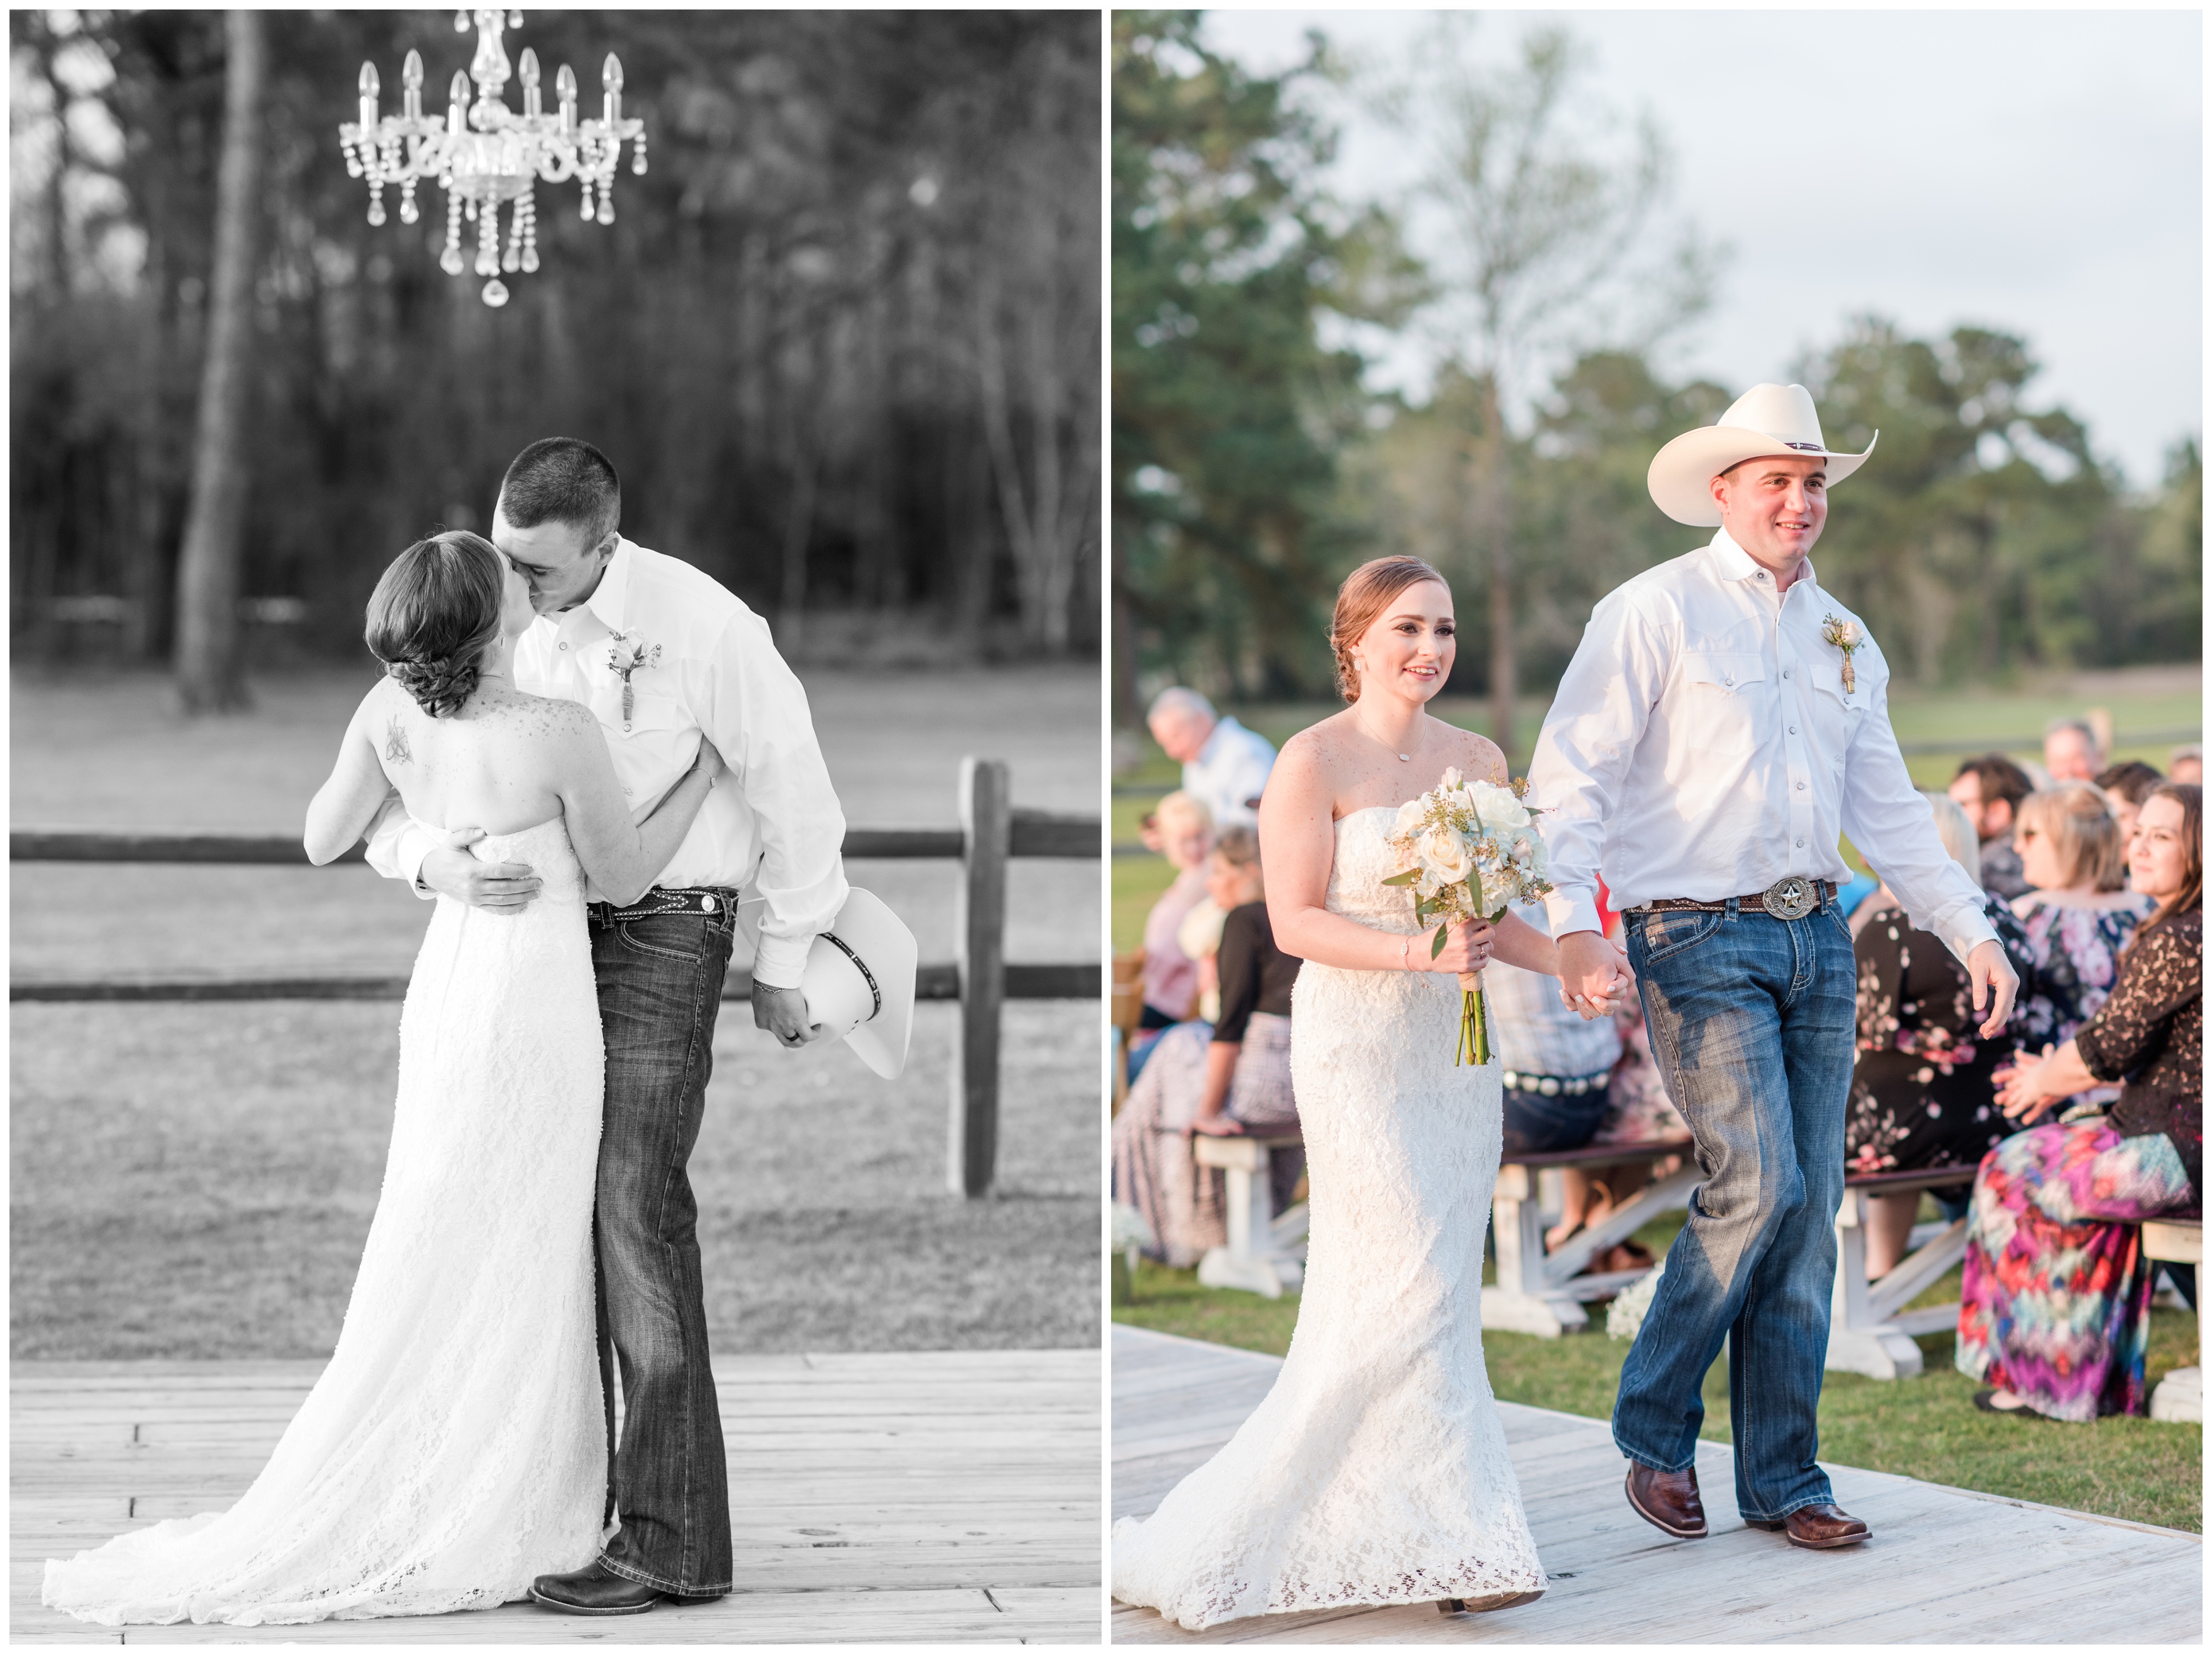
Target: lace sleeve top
2149	1033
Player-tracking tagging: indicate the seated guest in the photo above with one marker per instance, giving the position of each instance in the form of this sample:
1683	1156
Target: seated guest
2186	763
2076	916
2125	785
1181	830
1989	789
1230	1077
2055	1310
2071	751
1224	765
1556	1064
1922	1090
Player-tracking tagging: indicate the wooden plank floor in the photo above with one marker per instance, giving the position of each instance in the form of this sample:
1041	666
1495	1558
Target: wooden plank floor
1943	1566
933	1496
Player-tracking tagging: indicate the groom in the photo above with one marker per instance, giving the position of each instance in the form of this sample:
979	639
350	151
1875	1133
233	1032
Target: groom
1723	720
662	654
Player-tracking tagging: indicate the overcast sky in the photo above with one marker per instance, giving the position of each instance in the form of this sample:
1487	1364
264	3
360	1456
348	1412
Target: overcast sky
2040	172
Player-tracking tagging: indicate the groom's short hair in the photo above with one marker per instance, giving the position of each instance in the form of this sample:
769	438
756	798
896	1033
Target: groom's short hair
560	479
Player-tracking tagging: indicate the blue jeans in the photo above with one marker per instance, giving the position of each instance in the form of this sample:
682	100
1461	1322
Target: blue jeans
660	988
1752	1020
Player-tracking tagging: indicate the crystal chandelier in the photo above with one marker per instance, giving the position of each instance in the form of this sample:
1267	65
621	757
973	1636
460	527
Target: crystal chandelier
501	160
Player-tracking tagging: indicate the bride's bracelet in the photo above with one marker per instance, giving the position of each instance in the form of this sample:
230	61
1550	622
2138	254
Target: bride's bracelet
1405	954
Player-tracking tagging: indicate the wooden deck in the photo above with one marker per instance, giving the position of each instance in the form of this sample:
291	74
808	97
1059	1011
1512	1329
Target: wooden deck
898	1498
1943	1566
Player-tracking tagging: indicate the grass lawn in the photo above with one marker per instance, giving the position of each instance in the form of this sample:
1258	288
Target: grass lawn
195	1181
1924	1427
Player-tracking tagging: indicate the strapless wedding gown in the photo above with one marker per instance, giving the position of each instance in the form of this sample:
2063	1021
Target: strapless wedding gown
1376	1470
455	1446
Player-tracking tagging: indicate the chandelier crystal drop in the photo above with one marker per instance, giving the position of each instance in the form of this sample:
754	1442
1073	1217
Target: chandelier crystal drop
481	153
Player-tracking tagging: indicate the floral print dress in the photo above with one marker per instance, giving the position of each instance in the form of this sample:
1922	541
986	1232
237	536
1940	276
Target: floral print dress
1922	1090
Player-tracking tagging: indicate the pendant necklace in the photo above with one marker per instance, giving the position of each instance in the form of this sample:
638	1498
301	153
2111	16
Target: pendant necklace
1403	758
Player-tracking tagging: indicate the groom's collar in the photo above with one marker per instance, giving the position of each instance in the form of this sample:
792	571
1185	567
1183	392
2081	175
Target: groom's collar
611	597
1731	560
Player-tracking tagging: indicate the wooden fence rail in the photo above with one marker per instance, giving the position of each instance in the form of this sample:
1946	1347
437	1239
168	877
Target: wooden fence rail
978	978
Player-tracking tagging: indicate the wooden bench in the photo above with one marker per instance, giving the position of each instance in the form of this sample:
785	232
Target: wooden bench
1869	1328
1543	1292
1260	1257
2179	1397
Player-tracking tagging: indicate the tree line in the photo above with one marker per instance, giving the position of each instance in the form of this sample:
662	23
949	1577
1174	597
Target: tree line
1251	469
841	341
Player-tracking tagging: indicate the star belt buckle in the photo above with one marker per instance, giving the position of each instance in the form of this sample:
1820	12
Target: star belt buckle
1789	898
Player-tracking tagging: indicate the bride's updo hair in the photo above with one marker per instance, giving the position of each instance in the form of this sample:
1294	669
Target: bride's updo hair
434	614
1366	592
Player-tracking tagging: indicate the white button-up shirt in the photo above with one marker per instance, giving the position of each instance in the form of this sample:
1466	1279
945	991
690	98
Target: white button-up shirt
1702	745
774	826
1229	771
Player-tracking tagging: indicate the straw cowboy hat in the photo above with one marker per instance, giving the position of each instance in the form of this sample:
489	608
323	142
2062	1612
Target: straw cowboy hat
858	981
1765	419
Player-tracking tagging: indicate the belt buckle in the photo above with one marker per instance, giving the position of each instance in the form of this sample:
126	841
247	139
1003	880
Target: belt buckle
1790	898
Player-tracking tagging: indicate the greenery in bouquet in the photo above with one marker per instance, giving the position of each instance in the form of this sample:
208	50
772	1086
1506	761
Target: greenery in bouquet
1468	849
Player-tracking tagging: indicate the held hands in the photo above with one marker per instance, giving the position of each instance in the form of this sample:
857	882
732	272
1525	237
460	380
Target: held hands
505	887
1595	979
782	1011
1991	973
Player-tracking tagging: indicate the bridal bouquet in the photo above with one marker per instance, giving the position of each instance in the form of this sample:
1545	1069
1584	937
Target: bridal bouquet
1469	849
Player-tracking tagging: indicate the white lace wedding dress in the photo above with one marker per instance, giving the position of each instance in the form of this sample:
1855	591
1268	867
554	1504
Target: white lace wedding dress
1376	1470
455	1447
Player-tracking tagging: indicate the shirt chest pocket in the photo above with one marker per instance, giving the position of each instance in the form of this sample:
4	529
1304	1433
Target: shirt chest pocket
1724	703
1835	714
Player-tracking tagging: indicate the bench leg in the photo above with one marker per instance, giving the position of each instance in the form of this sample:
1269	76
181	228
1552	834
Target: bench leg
1249	1261
1862	1339
1523	1301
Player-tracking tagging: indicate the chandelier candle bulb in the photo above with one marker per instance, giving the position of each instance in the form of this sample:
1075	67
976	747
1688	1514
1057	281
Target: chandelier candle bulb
533	99
611	83
368	90
410	78
564	84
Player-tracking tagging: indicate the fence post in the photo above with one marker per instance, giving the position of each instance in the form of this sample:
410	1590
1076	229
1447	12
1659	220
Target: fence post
980	933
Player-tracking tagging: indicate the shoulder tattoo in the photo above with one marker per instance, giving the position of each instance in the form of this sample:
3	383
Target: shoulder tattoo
395	743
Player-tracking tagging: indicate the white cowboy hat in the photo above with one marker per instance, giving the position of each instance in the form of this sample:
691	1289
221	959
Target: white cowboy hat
858	981
1765	419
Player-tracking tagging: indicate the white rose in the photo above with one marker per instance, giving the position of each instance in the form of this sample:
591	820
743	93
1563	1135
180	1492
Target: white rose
1453	781
1410	814
1496	806
1445	854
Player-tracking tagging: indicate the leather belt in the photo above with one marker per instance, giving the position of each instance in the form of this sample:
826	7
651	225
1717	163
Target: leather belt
1786	898
656	902
1553	1085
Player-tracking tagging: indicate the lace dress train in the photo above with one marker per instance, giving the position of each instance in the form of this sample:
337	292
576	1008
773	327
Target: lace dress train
1376	1471
454	1448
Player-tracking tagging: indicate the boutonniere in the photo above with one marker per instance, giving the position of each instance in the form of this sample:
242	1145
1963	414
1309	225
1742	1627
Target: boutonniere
626	651
1846	637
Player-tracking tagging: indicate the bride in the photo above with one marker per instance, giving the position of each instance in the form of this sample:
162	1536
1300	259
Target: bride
455	1446
1376	1470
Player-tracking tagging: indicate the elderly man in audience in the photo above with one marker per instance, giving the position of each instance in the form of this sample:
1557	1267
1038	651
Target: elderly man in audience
1224	765
2186	765
2071	751
1989	789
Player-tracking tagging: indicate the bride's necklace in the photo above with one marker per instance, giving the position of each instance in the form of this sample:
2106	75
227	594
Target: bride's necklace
1403	758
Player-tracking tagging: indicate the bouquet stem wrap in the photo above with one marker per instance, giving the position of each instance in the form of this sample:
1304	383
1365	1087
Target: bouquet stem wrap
1474	1022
